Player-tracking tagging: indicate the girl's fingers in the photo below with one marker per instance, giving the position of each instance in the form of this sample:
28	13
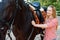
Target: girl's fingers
33	23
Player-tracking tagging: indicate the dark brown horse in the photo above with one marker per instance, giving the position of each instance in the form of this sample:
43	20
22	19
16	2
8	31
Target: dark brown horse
22	28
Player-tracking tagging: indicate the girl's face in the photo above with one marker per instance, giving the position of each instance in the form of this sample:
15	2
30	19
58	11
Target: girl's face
49	11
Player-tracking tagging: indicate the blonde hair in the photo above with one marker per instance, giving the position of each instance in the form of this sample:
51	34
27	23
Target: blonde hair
53	10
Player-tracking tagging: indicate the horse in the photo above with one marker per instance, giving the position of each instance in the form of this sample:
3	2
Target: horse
19	15
23	29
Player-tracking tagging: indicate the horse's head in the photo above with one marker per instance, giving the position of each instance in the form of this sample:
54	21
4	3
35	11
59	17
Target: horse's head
22	21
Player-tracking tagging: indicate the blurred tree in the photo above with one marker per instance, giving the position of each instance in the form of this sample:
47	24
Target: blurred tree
56	3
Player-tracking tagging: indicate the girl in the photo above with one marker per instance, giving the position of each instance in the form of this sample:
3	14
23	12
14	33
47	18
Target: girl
50	24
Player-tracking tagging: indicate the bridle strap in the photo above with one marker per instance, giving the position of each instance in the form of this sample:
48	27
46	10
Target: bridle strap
11	21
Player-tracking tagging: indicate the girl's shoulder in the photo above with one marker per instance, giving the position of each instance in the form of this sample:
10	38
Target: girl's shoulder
51	20
55	20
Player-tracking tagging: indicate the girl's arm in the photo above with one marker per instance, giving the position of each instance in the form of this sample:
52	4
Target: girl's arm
39	25
52	23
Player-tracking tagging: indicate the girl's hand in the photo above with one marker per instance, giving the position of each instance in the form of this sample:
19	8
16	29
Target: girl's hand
33	23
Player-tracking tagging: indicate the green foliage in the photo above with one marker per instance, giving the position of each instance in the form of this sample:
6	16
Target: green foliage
46	3
56	3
